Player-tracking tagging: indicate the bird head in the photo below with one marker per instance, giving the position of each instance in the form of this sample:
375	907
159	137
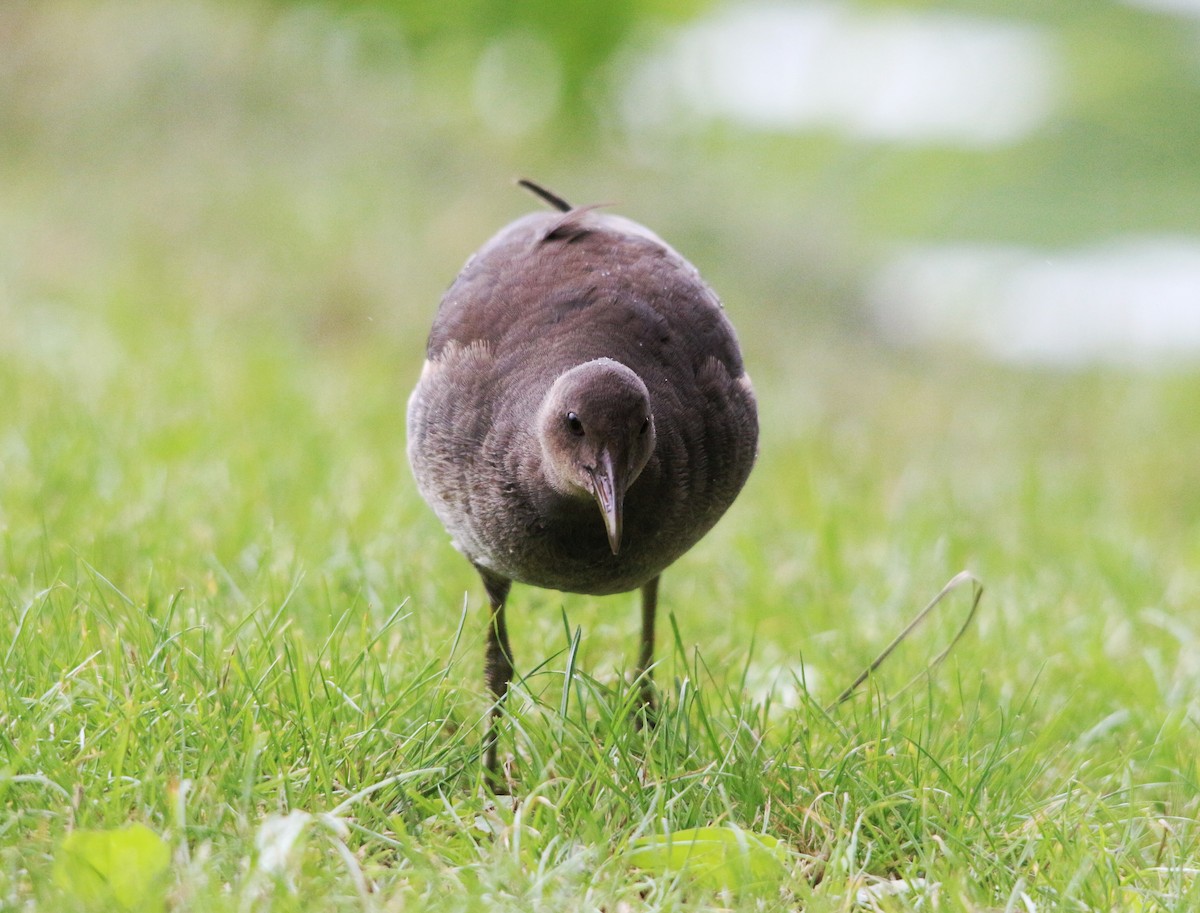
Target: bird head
597	433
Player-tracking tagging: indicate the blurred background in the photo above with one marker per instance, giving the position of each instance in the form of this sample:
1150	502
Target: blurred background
1018	180
960	242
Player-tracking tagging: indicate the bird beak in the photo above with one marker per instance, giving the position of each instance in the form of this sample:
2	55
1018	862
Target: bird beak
609	496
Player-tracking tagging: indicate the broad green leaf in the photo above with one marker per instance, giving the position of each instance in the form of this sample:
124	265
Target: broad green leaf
121	869
720	858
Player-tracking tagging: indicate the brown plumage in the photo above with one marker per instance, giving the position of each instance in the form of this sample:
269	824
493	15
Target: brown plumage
583	417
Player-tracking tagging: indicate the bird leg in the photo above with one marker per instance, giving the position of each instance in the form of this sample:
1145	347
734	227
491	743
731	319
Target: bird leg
497	663
649	608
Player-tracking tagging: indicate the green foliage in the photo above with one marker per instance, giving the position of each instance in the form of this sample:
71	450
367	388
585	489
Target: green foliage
120	869
717	858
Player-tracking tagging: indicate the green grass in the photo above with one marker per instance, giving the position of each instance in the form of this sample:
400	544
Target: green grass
222	602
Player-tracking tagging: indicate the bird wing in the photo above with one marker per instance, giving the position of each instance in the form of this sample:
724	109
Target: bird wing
553	289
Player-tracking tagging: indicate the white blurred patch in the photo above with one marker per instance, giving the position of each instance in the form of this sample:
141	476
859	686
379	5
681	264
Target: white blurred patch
1130	300
277	838
517	83
280	842
892	76
872	894
71	343
1178	7
779	679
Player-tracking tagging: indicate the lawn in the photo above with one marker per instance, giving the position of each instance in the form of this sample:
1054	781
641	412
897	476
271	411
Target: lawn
226	615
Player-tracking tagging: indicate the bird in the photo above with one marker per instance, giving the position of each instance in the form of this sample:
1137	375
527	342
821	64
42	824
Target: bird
583	417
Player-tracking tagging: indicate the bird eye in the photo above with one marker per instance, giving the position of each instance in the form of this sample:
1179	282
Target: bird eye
574	424
645	427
